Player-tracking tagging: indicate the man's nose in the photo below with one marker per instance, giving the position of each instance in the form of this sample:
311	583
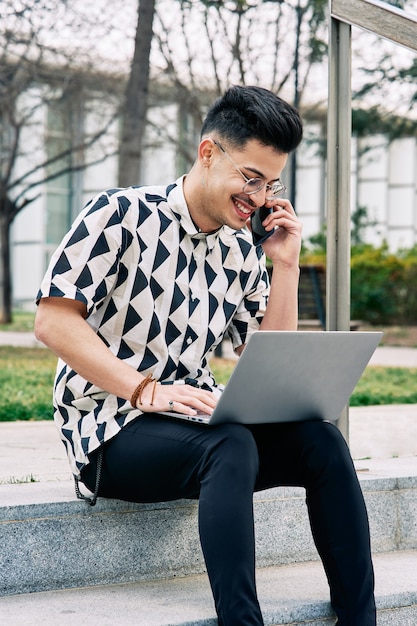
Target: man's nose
259	197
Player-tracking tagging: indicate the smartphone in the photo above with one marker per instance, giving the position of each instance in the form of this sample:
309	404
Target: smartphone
259	234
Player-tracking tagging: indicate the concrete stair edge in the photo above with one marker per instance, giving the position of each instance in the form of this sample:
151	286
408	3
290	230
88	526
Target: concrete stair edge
289	594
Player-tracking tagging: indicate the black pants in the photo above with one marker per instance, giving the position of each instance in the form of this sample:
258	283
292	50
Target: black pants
157	459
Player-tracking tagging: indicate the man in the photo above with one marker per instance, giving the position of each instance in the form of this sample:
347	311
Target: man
137	296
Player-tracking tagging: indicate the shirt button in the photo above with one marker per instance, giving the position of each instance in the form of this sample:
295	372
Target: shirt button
189	340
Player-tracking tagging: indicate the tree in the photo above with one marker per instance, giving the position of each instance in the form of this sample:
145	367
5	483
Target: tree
136	98
36	72
384	82
202	47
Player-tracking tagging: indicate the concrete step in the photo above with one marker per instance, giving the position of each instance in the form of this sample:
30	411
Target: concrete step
52	541
293	594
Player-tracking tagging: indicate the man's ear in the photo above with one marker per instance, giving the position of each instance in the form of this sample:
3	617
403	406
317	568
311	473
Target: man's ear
205	151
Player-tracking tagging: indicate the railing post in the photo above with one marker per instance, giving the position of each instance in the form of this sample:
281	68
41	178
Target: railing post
338	186
396	25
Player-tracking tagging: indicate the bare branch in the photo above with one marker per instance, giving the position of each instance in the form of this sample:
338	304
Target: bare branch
55	175
47	163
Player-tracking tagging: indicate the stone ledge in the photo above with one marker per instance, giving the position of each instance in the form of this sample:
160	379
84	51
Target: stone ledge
54	541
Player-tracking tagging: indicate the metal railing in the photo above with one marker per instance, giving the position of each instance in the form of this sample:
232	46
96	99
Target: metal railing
395	25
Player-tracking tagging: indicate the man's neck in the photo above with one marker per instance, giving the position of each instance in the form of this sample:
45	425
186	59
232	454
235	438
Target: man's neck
193	199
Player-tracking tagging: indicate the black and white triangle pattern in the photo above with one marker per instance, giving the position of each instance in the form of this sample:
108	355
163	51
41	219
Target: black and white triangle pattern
160	295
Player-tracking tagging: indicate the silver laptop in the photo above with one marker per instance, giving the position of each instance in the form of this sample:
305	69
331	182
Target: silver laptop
287	376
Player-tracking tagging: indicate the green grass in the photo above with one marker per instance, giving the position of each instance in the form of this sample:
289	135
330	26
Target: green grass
22	322
27	374
12	480
386	385
378	385
26	380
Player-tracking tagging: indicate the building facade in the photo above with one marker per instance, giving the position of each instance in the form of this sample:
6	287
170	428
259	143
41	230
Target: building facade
384	183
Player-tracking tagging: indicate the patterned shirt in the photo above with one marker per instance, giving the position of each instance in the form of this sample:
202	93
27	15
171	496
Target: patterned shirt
159	293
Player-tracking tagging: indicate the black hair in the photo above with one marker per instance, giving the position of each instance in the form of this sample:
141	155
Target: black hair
247	112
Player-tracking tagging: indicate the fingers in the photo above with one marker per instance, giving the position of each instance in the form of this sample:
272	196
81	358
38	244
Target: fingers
179	398
285	244
280	203
284	217
282	207
191	405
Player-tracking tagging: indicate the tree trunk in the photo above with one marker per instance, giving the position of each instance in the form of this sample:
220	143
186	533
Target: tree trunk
136	99
5	272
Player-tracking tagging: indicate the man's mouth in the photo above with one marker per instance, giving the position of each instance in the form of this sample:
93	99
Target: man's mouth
242	209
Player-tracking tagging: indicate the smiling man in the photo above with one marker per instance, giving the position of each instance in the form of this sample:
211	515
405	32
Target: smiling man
141	290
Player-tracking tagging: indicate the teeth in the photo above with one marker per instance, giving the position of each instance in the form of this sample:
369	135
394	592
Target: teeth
242	208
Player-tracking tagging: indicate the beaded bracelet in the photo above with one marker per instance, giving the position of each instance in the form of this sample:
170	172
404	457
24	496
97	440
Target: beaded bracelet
137	394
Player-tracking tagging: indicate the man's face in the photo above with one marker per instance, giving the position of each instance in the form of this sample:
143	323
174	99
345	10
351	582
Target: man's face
223	201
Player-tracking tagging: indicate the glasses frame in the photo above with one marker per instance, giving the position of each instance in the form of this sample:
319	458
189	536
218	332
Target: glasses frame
277	188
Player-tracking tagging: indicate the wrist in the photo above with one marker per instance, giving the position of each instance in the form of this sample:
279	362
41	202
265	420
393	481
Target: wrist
147	382
148	396
284	267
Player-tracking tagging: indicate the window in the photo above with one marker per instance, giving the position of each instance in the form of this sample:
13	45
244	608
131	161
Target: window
58	188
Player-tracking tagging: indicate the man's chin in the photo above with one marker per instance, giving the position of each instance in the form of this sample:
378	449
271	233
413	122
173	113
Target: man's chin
236	225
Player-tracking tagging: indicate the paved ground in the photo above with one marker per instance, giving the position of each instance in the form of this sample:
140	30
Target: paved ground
18	339
33	451
377	432
387	356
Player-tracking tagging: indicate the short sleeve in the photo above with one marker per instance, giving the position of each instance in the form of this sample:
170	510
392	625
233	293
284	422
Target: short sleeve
85	265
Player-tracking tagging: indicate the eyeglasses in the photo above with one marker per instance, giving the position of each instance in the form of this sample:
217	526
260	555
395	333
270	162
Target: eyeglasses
253	185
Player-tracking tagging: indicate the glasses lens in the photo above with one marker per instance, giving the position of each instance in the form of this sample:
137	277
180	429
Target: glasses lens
253	185
277	188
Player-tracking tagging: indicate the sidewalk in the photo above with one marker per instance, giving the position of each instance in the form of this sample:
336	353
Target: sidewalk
24	340
33	449
386	356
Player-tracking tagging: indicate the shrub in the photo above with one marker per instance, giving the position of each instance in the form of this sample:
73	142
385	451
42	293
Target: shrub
377	284
410	284
383	284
